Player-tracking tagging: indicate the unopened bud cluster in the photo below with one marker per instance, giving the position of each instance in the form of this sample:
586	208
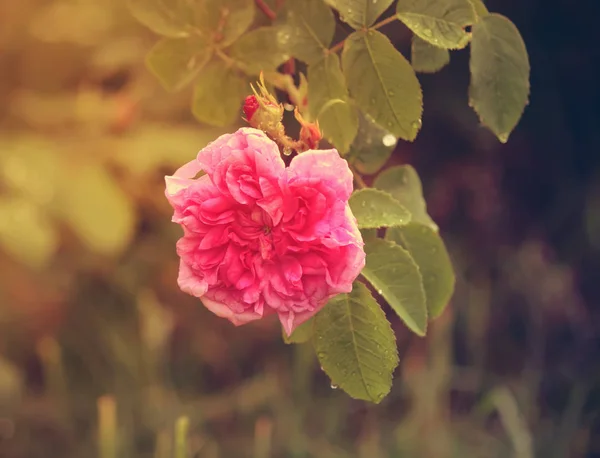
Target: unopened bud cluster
262	111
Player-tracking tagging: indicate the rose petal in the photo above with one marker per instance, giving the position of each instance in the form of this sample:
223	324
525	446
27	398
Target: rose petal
189	282
327	167
223	310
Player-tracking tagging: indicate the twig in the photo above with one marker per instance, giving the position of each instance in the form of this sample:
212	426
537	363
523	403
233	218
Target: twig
357	178
265	9
337	47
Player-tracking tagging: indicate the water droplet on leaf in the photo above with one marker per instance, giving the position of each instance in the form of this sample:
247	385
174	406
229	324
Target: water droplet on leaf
389	140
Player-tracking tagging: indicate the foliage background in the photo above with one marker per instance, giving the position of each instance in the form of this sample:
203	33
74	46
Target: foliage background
89	305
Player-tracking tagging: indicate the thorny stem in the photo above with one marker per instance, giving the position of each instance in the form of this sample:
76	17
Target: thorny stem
357	178
337	47
265	9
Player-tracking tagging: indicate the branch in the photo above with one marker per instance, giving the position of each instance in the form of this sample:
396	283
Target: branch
357	178
266	9
337	47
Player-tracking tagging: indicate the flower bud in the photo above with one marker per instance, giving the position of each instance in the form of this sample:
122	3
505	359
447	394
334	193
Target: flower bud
310	133
250	106
264	112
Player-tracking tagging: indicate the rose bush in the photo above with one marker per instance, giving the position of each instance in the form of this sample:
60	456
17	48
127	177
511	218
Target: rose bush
262	238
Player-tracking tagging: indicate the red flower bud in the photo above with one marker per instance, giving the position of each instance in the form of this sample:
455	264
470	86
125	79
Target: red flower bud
251	105
310	135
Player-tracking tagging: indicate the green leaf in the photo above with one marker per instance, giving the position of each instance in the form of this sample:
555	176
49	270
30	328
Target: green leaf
499	89
327	87
356	346
383	83
394	274
170	18
427	58
439	22
360	13
218	95
176	61
224	20
301	334
403	183
374	208
480	8
311	26
372	146
97	210
25	232
262	49
429	252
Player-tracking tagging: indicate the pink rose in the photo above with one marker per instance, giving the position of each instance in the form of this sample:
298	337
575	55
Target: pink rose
260	238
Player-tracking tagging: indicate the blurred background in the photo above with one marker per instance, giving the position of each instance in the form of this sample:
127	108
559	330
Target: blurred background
93	326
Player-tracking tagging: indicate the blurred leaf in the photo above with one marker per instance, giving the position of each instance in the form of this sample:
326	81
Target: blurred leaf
170	18
329	102
31	166
154	145
84	23
302	333
218	95
403	183
182	427
311	25
97	210
479	7
372	146
224	21
107	432
394	274
262	49
356	345
156	321
441	23
499	89
176	61
429	252
25	232
427	58
374	208
383	83
11	385
360	13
